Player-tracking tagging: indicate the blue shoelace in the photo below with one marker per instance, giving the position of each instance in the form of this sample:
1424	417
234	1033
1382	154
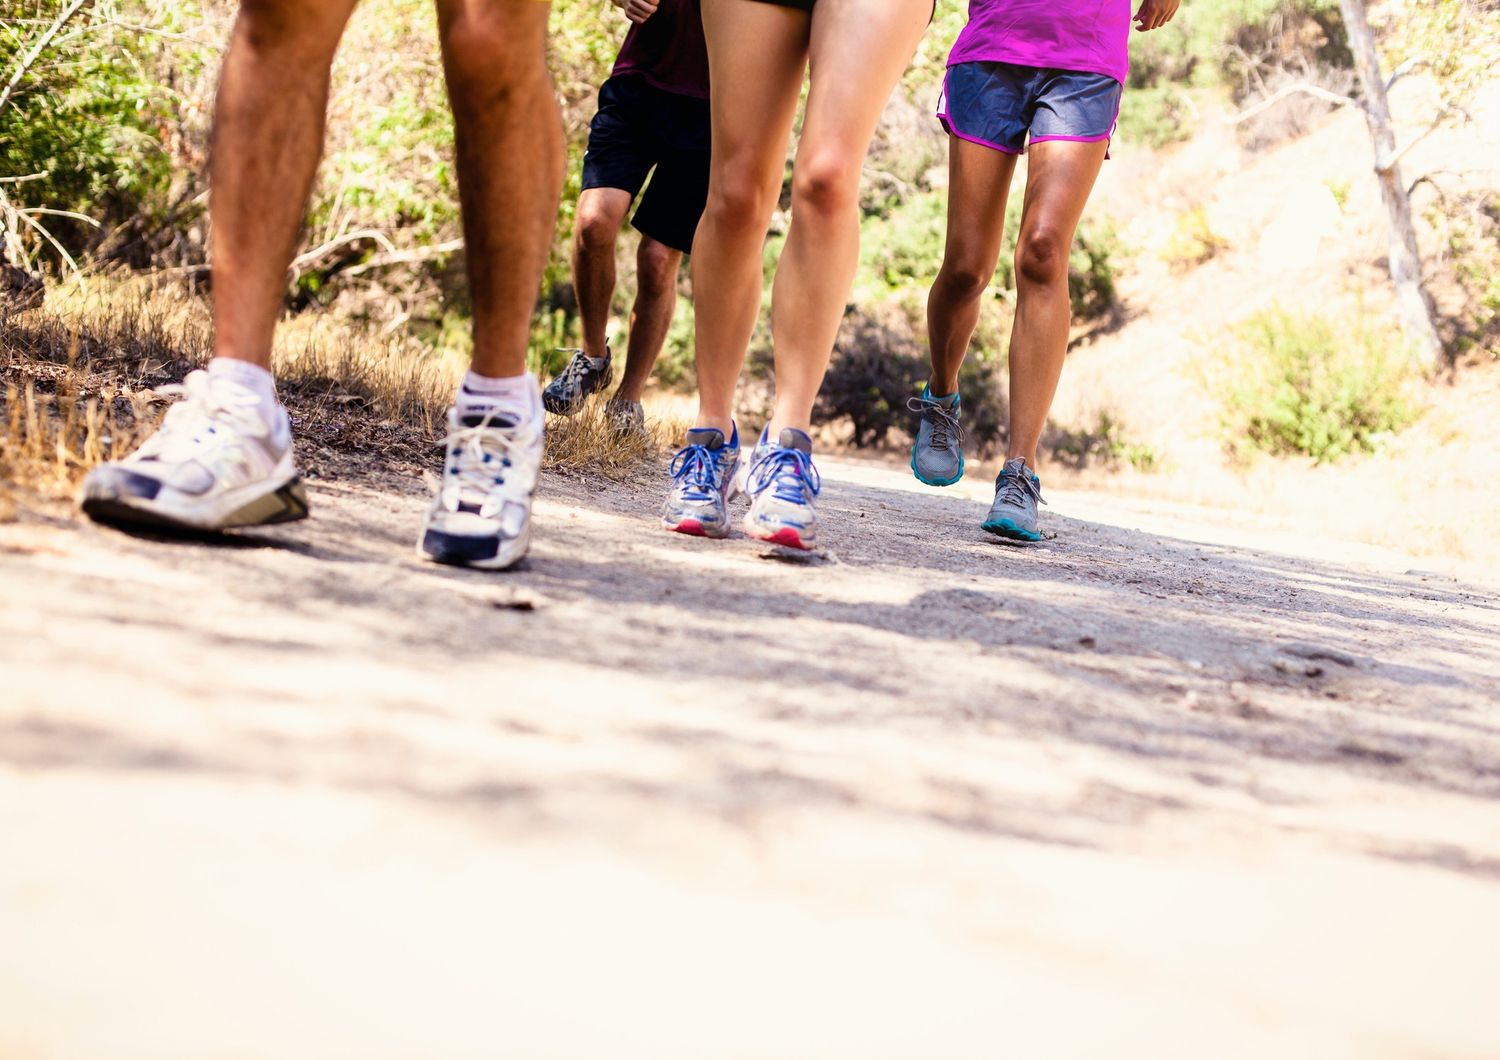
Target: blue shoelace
696	469
789	472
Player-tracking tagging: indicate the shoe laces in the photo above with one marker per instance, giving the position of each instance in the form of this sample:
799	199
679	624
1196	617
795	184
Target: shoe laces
208	416
482	454
1015	486
695	469
947	430
577	368
788	473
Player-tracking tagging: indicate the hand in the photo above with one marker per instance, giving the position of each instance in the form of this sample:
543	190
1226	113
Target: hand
637	10
1152	14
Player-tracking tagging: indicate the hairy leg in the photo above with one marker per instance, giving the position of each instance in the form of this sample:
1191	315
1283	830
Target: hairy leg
508	135
596	228
858	50
756	56
656	267
267	138
1059	176
978	185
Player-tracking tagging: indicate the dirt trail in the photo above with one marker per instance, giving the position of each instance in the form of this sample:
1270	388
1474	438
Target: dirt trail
1124	793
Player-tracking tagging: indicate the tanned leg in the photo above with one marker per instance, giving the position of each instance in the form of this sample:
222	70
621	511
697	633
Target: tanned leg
858	50
508	135
756	57
267	139
655	296
978	185
1059	176
596	229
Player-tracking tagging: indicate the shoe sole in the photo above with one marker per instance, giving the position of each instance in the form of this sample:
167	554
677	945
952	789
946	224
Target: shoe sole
693	528
936	481
496	564
286	504
1009	530
786	537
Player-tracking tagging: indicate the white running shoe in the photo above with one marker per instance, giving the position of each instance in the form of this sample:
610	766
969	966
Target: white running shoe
214	463
481	516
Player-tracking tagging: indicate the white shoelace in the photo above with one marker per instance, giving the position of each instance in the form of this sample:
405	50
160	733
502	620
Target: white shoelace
208	416
476	476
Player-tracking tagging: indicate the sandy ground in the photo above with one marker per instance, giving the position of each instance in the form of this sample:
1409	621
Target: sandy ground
1181	791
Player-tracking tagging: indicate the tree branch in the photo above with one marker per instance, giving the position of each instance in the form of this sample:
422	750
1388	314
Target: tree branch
63	16
1289	90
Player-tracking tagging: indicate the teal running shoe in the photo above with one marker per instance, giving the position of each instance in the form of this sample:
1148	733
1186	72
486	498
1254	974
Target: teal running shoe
702	483
937	456
782	486
1017	493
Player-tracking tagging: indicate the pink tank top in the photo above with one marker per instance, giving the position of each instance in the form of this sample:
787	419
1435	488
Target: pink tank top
1089	36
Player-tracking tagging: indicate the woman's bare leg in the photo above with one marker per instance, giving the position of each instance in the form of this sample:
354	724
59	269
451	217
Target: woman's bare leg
1059	176
756	55
978	184
858	51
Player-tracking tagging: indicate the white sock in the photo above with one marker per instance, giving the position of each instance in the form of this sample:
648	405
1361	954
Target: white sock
252	377
262	384
518	395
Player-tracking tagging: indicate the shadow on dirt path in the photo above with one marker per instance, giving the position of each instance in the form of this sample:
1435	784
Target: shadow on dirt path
900	728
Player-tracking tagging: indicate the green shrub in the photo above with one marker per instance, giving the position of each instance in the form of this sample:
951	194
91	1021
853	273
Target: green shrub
1156	116
1105	442
879	363
87	115
1300	384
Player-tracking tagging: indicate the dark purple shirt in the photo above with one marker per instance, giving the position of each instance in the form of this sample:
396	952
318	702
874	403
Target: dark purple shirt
668	50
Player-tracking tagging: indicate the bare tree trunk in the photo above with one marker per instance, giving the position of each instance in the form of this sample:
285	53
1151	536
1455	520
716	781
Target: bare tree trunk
1406	263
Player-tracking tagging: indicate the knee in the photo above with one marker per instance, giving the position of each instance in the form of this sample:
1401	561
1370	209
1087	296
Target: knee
825	185
595	231
481	44
284	27
738	199
656	269
964	281
1042	258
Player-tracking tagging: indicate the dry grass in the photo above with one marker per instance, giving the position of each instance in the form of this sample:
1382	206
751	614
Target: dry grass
80	379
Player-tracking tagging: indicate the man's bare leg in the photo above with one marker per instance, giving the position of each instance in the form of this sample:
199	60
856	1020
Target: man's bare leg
508	134
267	139
978	184
656	266
1060	175
596	230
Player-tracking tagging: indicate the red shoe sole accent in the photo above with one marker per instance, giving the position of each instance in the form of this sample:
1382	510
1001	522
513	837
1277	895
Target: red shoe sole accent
788	538
689	526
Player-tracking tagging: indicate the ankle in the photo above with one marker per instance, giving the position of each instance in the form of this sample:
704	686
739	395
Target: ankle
516	394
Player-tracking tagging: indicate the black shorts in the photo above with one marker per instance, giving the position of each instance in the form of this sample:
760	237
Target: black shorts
638	127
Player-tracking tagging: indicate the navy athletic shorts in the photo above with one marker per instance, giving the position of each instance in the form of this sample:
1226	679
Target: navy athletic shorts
640	128
999	104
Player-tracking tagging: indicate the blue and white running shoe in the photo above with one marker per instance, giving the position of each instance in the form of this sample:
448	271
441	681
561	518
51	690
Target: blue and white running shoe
782	485
763	445
703	481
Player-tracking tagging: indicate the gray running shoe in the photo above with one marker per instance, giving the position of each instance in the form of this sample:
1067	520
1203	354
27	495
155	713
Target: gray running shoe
626	419
1017	493
569	389
937	456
